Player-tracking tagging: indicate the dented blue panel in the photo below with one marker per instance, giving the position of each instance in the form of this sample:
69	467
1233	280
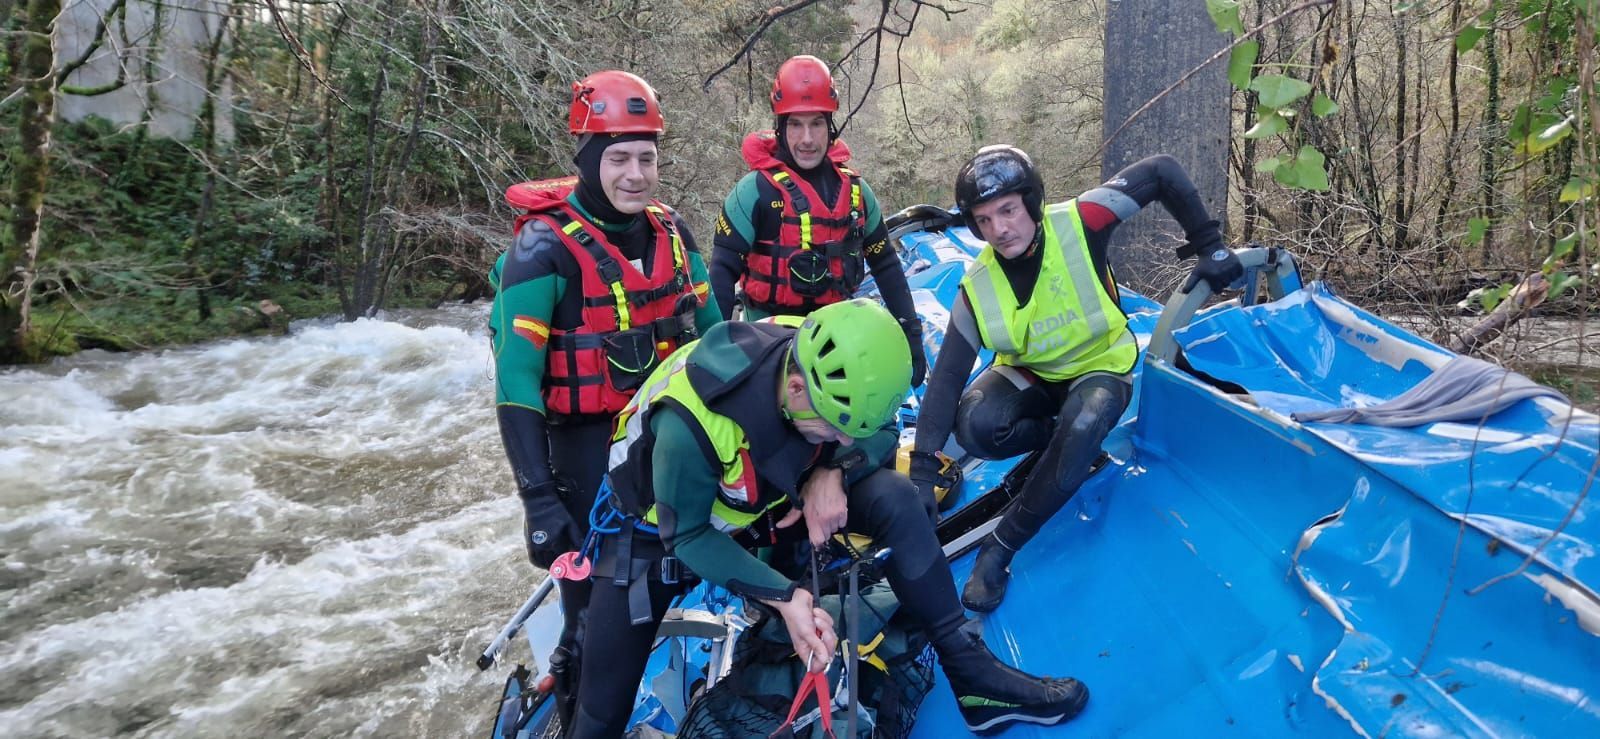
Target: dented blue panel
1245	573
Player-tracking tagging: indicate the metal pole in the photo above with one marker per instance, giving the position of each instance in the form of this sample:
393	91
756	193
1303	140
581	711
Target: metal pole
486	660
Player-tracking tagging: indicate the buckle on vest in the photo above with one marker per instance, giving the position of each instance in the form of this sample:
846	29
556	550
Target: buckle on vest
802	204
671	570
672	328
610	272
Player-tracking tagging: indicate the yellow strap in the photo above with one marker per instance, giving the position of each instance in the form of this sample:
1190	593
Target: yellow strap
677	243
869	653
624	319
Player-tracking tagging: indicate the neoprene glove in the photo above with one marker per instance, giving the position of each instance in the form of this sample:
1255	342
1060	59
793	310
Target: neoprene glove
924	474
1218	267
919	358
547	528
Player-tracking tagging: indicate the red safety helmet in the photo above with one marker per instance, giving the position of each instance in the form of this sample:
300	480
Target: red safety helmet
804	85
614	101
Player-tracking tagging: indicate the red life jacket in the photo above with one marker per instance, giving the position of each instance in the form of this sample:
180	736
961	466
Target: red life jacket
630	321
811	232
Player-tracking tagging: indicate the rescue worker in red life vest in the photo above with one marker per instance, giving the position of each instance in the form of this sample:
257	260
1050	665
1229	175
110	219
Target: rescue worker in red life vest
600	284
801	228
1041	296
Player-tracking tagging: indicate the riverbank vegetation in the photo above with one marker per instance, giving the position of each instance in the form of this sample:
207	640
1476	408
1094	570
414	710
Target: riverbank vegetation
348	157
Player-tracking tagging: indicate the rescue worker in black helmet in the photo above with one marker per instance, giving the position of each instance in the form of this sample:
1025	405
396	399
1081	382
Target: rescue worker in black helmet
801	229
1041	295
601	282
756	433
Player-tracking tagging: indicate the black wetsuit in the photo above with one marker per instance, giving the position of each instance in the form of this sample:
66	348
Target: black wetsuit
1005	413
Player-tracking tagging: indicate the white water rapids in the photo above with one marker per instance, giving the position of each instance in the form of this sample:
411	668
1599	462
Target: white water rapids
303	535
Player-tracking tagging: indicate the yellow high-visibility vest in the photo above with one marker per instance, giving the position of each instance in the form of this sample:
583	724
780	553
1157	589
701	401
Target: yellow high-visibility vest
1070	326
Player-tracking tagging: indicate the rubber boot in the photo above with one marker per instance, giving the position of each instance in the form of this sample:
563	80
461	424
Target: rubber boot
986	586
992	695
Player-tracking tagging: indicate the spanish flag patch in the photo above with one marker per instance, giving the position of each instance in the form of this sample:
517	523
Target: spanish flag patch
532	329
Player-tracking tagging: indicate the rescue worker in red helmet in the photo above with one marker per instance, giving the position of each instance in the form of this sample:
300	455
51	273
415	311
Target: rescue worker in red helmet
601	282
1041	296
801	229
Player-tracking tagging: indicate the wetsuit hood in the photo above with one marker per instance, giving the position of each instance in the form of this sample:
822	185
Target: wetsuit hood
591	194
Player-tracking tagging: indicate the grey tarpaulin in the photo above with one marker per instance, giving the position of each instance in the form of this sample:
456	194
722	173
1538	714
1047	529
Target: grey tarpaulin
1464	389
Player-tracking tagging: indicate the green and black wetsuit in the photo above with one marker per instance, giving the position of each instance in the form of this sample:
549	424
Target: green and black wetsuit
537	289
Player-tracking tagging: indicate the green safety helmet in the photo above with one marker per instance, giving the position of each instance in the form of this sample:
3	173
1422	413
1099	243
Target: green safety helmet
856	365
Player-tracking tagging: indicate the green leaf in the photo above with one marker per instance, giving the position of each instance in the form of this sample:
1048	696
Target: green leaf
1576	189
1313	169
1559	251
1270	164
1556	91
1287	175
1521	123
1469	38
1564	246
1304	172
1323	106
1560	282
1550	136
1225	13
1491	297
1270	125
1241	62
1476	228
1277	90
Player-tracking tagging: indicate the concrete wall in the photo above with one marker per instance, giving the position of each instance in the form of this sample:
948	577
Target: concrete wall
175	89
1149	45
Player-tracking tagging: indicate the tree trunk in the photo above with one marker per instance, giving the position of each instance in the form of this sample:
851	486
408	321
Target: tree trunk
1451	141
1489	163
1148	47
206	132
1400	214
30	179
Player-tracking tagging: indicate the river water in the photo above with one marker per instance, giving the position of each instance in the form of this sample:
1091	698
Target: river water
303	535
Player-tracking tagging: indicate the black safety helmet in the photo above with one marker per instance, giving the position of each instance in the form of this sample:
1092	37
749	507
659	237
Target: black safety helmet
994	171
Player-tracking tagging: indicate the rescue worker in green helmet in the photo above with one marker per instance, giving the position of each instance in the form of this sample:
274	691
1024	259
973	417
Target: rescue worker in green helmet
731	443
1041	295
801	229
600	284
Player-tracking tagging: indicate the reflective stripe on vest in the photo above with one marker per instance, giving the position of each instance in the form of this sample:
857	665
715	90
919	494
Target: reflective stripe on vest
738	503
1070	325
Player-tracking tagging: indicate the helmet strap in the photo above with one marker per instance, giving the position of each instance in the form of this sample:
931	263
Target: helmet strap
1038	240
795	414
